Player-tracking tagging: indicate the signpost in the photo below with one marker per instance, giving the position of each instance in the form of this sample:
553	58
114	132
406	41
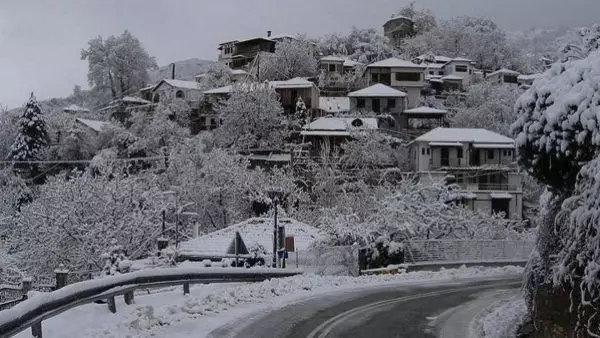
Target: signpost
237	247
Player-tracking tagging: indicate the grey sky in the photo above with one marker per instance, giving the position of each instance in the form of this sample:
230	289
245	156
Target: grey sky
40	40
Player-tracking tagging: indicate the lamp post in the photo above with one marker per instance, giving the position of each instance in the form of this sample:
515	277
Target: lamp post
275	195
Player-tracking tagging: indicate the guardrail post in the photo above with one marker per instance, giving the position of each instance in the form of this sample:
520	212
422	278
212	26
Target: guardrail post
112	306
186	288
26	285
62	274
128	297
36	329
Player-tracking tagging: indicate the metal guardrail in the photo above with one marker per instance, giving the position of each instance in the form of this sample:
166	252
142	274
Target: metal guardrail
32	312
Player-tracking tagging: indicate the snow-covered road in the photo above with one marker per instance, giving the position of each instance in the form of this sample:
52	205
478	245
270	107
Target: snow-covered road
400	311
169	313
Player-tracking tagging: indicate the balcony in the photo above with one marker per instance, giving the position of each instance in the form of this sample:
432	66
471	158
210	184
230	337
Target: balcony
448	162
488	187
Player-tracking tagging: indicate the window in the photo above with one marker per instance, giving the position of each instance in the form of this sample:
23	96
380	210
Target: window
459	152
428	151
156	98
510	79
180	94
431	72
332	68
422	151
391	104
491	154
461	68
504	152
459	178
408	77
360	103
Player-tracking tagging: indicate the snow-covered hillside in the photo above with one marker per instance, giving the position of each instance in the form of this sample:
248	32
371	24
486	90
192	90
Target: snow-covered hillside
184	70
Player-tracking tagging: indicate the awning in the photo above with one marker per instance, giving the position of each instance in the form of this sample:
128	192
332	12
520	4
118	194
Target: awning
493	146
445	144
501	196
324	133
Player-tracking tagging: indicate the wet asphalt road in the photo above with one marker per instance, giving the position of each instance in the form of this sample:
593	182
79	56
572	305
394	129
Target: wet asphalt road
403	311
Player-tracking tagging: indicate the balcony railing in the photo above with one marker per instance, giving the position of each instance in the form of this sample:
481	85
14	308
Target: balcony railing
488	187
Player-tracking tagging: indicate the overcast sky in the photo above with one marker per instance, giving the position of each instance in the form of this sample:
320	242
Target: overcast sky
40	40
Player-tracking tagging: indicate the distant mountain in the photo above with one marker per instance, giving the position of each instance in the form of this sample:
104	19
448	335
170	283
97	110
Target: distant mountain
184	70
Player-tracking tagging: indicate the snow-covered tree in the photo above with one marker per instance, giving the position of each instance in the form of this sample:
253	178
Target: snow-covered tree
476	38
8	130
557	129
579	46
118	64
292	58
362	45
373	150
115	260
424	19
488	106
217	75
252	118
301	115
31	139
73	221
558	139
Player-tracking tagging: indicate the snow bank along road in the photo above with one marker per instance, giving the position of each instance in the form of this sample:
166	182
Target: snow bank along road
401	311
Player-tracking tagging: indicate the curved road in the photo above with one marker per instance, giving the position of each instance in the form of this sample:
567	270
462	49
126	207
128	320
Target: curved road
401	311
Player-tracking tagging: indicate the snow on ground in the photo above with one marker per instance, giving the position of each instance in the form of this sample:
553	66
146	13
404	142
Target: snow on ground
171	314
501	320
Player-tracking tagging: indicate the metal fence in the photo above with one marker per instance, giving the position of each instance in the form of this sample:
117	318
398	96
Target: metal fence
467	250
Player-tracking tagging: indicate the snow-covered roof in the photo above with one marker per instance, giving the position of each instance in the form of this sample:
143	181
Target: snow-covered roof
342	124
424	110
459	59
271	157
334	104
132	99
221	90
434	65
501	195
283	36
297	82
470	135
377	90
75	108
436	58
395	63
332	58
351	63
95	125
504	71
452	78
255	232
179	84
529	77
398	16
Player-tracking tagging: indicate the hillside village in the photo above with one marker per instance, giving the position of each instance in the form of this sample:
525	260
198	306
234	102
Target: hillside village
422	129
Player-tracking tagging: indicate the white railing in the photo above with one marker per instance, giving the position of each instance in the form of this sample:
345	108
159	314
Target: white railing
467	251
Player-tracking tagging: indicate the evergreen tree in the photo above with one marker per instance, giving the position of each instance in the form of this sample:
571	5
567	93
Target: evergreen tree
31	139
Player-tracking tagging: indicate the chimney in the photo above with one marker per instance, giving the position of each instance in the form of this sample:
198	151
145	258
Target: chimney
269	34
173	71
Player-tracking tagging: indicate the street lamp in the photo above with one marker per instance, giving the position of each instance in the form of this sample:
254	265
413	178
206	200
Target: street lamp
178	211
275	194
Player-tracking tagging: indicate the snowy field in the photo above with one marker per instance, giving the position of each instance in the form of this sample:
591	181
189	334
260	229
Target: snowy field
168	313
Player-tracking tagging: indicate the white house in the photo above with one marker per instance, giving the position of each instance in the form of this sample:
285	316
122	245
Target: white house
460	67
503	76
379	99
167	90
328	133
481	162
402	75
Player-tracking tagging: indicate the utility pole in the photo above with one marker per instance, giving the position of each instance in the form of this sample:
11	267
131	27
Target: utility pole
275	235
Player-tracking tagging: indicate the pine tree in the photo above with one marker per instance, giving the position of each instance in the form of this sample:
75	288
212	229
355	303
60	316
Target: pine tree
32	138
